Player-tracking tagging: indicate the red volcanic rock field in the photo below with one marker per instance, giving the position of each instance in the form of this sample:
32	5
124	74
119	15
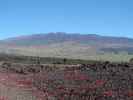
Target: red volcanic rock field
97	81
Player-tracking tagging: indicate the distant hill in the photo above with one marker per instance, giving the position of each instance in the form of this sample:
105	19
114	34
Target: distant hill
71	45
42	39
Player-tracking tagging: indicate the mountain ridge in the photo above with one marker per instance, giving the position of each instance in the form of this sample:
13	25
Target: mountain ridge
60	33
62	37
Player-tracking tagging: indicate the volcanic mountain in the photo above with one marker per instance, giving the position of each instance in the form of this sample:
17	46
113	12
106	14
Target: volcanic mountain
69	45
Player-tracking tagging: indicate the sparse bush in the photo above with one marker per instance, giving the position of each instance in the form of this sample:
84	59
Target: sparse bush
131	60
94	81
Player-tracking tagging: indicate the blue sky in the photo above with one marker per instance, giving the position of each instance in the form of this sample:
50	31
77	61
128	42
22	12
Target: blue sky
104	17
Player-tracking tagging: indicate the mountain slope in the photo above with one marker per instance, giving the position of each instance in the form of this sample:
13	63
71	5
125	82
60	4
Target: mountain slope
50	38
68	45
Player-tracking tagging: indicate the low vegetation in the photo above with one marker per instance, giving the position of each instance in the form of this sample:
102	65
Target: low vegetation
74	80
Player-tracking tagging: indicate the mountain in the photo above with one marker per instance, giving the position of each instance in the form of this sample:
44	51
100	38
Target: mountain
42	39
69	45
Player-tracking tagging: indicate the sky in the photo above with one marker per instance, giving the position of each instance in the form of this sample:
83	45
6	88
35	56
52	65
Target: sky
103	17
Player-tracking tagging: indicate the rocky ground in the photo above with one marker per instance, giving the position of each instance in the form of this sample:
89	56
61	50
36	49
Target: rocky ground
11	88
97	81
